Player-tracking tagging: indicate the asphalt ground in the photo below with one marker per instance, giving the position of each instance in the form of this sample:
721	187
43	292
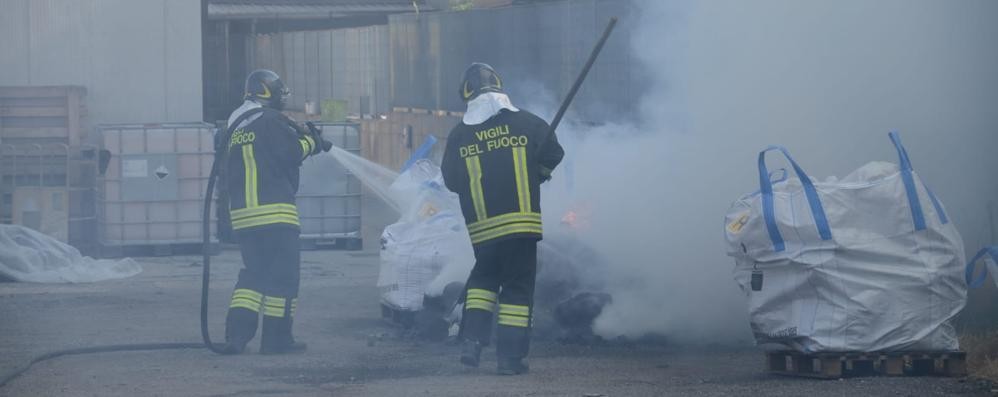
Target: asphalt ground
352	351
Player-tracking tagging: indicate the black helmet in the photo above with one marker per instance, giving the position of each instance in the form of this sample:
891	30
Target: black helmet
266	87
479	78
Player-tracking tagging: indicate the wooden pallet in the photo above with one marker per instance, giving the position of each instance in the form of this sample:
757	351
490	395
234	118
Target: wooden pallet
37	114
844	365
151	250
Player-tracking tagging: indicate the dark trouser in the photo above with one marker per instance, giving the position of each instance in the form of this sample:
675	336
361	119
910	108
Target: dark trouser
503	281
268	283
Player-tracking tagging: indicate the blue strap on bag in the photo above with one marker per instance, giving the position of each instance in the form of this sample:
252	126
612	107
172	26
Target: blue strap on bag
766	187
818	212
909	186
421	153
976	282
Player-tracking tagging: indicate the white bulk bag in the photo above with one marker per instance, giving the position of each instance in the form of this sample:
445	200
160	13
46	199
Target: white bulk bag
429	247
867	263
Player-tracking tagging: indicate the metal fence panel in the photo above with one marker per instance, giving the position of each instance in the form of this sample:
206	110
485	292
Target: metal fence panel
538	49
344	64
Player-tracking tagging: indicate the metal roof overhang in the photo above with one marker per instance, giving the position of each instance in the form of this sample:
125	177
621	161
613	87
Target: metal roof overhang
227	10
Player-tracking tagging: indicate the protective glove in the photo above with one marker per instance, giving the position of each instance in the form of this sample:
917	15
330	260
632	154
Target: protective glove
545	174
316	134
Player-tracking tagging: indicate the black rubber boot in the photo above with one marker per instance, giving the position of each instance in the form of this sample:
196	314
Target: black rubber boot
471	352
240	328
512	366
277	337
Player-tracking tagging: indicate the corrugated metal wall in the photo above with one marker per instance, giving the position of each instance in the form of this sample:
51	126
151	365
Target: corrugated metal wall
140	60
537	49
346	64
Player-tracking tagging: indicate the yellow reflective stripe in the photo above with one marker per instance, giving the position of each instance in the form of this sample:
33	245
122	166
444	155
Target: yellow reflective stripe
273	312
247	218
514	309
246	299
503	219
266	220
248	293
274	218
307	144
505	231
245	305
482	294
249	162
514	321
281	217
480	304
273	306
294	306
266	209
475	179
304	148
522	180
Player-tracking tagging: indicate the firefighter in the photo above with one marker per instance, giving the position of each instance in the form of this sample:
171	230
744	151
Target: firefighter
265	151
496	160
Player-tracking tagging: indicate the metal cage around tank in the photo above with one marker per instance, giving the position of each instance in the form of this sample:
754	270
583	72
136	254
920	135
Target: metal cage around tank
152	192
329	196
50	187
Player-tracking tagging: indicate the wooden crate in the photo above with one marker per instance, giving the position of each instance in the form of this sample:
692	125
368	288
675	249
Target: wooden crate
387	142
43	114
856	364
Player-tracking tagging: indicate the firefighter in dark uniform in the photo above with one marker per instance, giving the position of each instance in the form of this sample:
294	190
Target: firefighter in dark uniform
496	160
265	151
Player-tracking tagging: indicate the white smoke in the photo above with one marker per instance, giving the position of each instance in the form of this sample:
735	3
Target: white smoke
661	241
730	78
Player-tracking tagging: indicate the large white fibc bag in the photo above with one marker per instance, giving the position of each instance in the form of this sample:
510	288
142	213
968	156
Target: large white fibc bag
867	263
429	247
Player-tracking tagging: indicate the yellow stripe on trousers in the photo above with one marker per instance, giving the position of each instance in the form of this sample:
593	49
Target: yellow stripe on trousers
514	315
273	306
475	179
481	299
505	231
503	220
246	299
249	162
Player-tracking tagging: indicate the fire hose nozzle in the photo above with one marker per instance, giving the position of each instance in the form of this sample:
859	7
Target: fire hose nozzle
317	133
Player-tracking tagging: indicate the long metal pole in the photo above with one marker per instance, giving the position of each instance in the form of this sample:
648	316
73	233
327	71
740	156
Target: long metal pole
583	73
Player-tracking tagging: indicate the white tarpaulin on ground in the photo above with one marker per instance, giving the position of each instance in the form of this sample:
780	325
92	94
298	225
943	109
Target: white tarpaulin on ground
866	263
429	246
30	256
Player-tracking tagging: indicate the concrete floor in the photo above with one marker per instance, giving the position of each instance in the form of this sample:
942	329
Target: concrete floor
339	319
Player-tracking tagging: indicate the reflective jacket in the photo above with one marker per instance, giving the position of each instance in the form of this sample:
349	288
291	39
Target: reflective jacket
264	154
496	168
